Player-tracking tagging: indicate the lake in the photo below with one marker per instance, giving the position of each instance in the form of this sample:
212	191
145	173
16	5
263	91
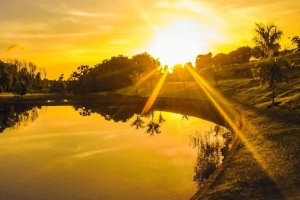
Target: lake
71	152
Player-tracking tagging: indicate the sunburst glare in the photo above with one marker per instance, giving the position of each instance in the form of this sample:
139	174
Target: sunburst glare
154	94
215	98
179	43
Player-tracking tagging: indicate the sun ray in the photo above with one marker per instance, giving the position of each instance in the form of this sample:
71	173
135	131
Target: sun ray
154	94
214	96
148	75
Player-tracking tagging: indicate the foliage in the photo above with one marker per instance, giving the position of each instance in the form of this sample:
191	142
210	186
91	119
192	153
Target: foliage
203	61
17	88
111	75
7	73
145	62
20	88
271	71
24	72
59	87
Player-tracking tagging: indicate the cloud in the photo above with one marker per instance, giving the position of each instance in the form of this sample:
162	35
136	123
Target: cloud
89	14
47	36
95	152
197	7
119	42
15	47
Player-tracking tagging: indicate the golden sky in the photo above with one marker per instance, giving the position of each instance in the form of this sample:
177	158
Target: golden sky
60	35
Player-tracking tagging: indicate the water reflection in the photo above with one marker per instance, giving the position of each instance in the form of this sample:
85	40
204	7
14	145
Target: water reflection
208	150
16	115
153	127
138	122
185	117
212	147
114	113
123	114
68	154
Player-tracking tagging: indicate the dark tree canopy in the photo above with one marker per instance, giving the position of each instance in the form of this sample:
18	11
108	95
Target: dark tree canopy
110	75
267	37
203	61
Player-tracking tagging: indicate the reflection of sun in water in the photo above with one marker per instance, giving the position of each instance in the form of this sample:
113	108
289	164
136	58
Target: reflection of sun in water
179	43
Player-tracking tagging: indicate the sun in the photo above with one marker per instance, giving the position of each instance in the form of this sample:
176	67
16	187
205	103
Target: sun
179	43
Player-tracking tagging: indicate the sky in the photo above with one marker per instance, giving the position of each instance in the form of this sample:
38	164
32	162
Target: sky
60	35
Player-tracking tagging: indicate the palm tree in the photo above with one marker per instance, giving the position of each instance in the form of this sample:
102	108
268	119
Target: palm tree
267	37
271	72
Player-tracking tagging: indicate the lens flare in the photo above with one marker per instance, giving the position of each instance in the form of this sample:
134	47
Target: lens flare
154	94
214	96
144	78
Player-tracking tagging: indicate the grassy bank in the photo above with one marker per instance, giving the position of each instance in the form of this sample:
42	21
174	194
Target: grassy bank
267	164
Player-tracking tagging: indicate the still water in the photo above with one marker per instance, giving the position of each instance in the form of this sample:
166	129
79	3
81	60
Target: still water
66	152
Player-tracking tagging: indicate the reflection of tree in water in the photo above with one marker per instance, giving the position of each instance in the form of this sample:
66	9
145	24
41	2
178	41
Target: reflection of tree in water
123	114
152	126
212	147
138	122
83	111
185	117
115	113
16	115
161	119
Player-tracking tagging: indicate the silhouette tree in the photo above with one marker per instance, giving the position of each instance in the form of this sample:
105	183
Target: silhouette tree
271	71
59	86
17	88
38	81
267	37
203	61
145	62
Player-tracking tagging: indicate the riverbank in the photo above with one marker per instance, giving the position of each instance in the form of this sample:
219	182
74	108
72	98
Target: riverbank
266	164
